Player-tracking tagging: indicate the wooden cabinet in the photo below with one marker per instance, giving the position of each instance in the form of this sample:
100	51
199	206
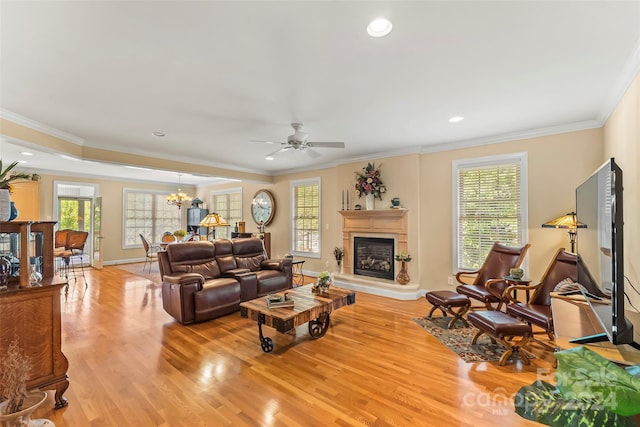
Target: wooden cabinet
33	316
26	196
20	240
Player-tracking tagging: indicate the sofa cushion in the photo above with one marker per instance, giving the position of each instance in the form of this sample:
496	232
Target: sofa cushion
208	269
252	262
227	262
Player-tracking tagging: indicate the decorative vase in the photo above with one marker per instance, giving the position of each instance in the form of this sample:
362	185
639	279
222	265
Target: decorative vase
403	277
35	277
14	212
5	205
23	418
369	201
339	263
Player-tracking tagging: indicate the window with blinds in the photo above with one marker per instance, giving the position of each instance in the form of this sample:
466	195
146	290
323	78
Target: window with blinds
490	197
305	225
228	204
147	213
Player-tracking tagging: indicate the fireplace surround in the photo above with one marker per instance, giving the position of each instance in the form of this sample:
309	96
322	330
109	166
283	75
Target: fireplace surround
383	223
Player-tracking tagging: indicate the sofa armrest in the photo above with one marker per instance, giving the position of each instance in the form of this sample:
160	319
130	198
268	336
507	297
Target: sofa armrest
184	279
275	264
248	285
235	272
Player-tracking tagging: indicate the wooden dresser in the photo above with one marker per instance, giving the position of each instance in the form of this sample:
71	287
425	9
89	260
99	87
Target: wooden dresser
32	314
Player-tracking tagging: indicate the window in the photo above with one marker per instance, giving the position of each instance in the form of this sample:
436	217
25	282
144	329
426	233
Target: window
305	214
489	205
147	213
228	204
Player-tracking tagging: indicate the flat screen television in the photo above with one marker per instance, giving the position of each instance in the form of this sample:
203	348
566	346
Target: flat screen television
600	248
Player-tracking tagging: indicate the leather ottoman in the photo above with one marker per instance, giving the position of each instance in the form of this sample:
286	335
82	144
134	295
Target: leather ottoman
504	328
445	301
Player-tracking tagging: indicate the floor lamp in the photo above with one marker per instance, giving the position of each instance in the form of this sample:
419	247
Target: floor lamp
567	221
213	220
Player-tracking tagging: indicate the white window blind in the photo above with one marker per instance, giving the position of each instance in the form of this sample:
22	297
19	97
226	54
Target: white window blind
147	213
305	227
491	203
228	204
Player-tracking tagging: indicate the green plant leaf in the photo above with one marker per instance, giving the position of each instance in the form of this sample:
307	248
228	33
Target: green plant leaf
542	402
582	373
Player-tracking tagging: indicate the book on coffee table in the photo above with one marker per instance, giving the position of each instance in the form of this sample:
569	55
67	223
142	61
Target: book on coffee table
279	301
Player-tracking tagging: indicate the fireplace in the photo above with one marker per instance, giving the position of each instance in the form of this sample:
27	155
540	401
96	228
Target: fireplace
373	257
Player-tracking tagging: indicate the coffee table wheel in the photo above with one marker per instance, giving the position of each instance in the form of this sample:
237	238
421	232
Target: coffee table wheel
267	344
318	327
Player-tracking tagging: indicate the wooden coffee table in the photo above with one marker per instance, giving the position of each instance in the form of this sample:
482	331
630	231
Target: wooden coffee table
312	307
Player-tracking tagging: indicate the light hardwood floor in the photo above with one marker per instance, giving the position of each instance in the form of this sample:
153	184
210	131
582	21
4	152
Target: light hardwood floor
131	364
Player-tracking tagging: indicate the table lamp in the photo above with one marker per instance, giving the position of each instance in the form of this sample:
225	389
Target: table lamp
213	220
567	221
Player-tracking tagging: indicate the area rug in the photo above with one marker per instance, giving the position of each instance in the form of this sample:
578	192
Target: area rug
138	270
458	339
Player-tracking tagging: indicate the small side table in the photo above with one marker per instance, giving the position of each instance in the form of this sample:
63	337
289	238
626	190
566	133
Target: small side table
523	281
298	275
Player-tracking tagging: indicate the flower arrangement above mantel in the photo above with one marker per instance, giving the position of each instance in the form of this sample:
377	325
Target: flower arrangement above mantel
368	182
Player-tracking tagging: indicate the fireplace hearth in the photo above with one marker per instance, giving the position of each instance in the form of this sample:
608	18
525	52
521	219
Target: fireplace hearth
373	257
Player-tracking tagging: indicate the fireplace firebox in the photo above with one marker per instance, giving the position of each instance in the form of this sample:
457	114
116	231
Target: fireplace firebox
373	257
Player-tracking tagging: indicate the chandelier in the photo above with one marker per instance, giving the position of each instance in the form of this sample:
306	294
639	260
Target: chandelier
178	198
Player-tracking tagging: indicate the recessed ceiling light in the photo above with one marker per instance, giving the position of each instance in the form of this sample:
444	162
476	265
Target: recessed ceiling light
456	119
269	158
26	153
159	134
379	27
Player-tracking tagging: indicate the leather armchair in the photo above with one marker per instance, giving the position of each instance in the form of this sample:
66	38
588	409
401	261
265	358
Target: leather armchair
487	283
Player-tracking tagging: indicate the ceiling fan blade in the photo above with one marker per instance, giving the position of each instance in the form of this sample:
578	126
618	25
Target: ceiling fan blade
312	153
266	142
326	144
279	151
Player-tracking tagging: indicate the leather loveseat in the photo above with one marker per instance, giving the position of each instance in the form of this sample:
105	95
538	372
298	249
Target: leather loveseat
203	280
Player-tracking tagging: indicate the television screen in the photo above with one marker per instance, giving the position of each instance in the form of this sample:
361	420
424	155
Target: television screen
599	207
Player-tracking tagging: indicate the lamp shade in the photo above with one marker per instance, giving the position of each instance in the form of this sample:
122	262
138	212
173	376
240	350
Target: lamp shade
566	221
213	220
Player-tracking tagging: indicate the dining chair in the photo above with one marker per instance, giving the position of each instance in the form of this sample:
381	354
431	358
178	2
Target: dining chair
74	248
151	252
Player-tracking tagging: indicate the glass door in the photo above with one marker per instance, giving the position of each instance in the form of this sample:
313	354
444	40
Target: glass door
96	259
75	213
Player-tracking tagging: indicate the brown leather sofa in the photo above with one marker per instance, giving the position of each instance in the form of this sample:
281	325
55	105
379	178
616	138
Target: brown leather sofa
203	280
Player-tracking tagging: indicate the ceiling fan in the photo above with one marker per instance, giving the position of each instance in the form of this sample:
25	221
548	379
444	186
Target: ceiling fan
299	141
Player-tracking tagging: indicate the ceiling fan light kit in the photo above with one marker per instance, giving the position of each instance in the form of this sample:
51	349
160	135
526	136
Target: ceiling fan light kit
299	141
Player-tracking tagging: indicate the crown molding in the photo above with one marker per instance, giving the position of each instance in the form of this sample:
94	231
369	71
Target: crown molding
511	136
40	127
629	72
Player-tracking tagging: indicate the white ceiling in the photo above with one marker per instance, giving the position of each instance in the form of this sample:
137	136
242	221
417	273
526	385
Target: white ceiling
213	75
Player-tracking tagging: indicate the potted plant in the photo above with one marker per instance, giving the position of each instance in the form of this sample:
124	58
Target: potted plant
324	280
180	234
403	277
5	188
338	254
17	403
